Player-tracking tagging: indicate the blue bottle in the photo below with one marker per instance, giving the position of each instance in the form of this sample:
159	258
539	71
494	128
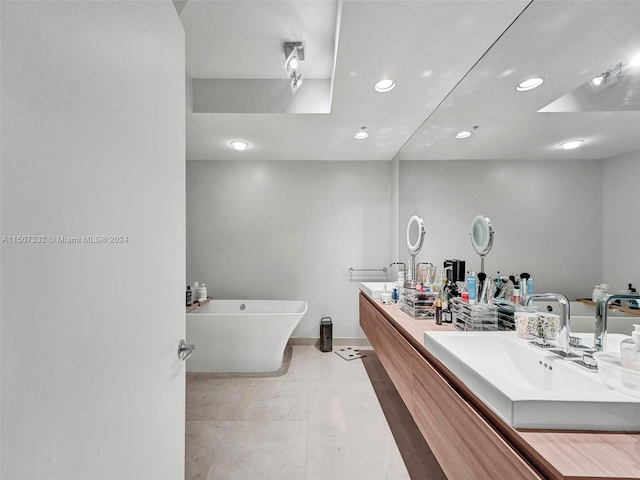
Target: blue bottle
529	285
471	287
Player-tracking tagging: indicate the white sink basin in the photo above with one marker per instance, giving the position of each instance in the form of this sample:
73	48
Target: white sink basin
374	289
530	388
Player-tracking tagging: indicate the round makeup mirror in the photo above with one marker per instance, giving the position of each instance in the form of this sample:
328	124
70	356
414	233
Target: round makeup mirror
481	237
415	239
415	235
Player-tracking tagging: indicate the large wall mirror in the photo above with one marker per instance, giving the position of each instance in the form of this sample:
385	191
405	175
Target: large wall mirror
567	44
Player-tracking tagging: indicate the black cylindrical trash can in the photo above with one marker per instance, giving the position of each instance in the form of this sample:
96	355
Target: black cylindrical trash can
326	334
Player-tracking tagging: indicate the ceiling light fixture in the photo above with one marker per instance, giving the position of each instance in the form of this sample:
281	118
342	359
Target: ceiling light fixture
607	78
463	134
293	54
239	145
530	84
571	144
362	134
384	86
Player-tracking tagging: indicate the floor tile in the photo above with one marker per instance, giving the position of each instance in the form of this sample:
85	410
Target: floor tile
274	399
215	399
340	402
330	367
203	440
364	450
261	450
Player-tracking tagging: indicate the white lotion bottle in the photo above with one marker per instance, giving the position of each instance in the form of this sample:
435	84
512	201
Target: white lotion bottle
202	293
630	350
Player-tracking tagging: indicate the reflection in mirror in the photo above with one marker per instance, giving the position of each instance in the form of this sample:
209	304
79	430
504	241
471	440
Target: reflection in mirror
481	237
415	239
575	43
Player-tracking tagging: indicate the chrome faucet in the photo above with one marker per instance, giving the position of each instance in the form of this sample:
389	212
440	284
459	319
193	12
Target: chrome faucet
602	308
565	334
404	267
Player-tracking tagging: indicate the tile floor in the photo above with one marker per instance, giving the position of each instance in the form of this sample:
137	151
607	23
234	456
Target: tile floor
322	419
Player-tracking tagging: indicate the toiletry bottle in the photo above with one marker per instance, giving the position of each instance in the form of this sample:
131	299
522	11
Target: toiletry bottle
438	312
202	293
630	358
633	303
516	294
530	285
194	291
471	287
630	350
597	292
189	296
385	296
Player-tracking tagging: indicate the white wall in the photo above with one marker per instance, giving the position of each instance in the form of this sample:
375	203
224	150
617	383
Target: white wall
621	228
545	214
292	229
92	144
289	230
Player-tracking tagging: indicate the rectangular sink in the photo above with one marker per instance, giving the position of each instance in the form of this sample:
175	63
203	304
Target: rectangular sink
374	289
530	388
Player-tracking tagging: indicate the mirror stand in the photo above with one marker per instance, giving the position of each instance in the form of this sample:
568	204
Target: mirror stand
413	247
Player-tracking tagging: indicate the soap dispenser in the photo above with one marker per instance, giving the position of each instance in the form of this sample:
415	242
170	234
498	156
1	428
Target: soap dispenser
630	350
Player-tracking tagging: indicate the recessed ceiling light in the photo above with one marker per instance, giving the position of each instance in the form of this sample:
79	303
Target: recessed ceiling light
385	85
463	134
570	145
362	134
530	84
239	145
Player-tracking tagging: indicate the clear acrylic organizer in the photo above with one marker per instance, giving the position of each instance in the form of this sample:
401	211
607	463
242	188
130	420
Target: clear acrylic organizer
417	304
474	317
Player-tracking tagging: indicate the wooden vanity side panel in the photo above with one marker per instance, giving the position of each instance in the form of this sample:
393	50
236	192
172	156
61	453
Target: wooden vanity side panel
466	447
395	354
368	319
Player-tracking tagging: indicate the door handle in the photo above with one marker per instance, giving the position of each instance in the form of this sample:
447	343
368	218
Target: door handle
185	350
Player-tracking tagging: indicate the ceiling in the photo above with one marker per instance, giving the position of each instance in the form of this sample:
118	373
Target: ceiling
456	65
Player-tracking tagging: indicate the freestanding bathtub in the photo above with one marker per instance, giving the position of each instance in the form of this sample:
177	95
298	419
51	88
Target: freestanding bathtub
241	336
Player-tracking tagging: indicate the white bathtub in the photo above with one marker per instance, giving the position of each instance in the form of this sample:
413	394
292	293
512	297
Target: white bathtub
241	336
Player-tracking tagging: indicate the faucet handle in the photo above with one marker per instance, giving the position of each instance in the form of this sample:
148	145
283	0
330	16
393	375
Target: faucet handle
588	360
575	342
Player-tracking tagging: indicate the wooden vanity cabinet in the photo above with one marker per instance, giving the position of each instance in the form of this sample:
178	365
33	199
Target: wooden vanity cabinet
464	444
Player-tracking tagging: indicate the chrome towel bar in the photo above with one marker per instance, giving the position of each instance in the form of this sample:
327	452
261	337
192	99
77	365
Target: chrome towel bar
384	270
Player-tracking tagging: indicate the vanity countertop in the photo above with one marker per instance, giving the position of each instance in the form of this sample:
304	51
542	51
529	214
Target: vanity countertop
571	455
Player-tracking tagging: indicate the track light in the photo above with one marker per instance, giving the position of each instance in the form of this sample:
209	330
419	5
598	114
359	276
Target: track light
293	54
607	78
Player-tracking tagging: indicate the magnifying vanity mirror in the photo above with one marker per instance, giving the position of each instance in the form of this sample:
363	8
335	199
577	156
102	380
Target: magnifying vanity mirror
415	239
481	237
